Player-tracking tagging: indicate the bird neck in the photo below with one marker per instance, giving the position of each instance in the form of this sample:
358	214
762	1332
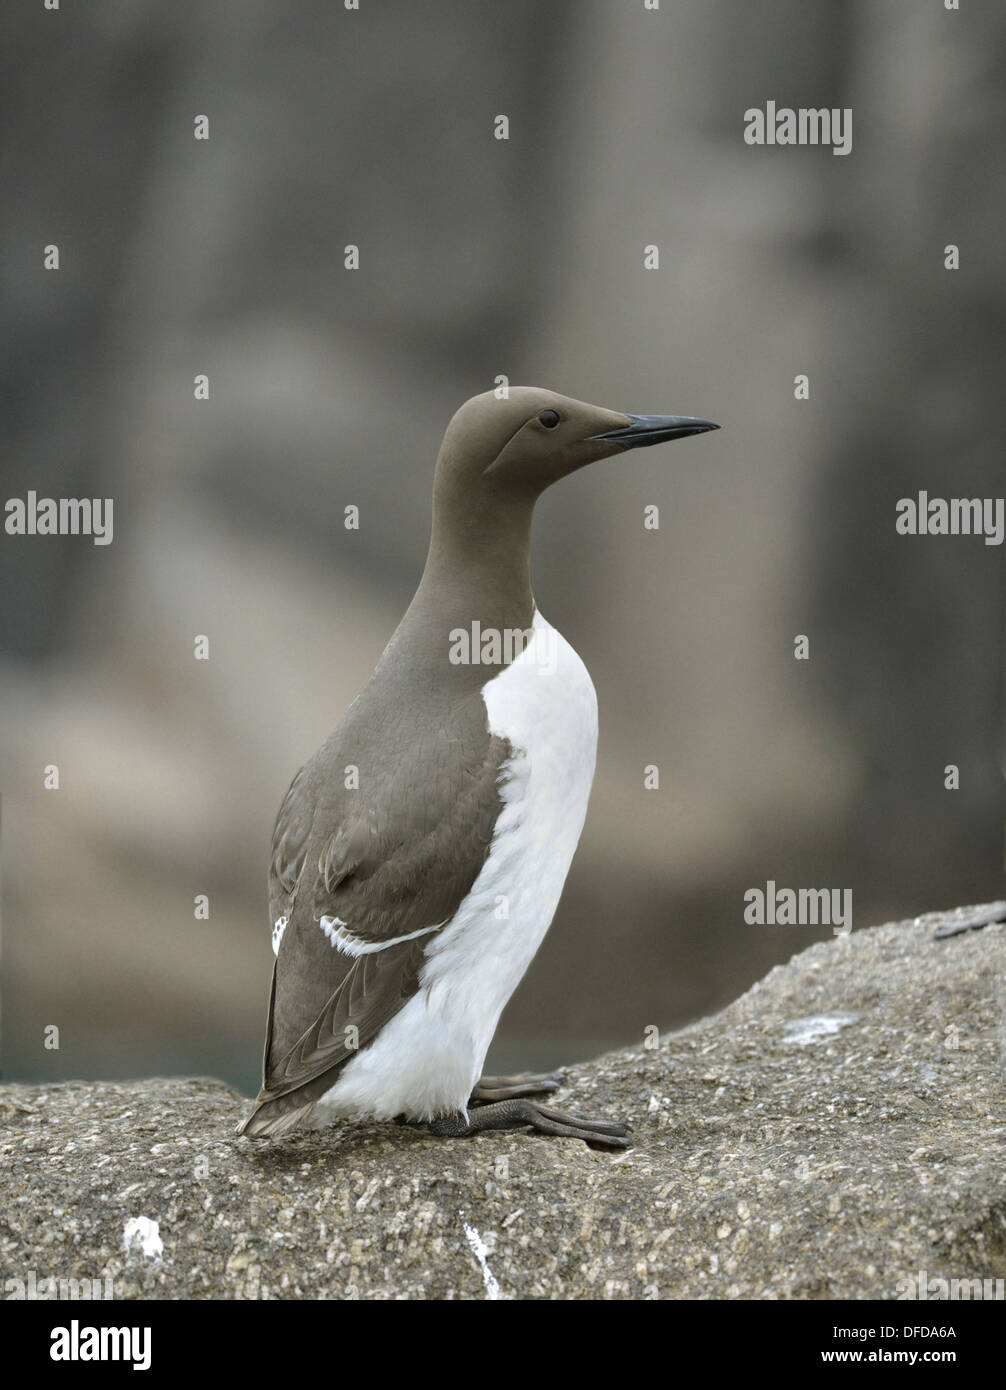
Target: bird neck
479	562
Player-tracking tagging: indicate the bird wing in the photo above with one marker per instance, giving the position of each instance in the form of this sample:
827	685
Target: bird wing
289	847
390	872
373	990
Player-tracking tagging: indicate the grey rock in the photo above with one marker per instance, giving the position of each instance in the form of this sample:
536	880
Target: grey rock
838	1169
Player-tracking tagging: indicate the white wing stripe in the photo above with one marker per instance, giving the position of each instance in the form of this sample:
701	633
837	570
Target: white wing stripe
350	945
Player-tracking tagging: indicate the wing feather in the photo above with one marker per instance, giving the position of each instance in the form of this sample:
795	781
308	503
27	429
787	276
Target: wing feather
387	863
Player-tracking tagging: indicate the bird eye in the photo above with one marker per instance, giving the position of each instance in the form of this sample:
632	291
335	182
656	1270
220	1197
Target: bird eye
549	418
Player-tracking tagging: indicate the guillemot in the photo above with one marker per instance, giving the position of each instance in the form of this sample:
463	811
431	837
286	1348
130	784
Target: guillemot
419	856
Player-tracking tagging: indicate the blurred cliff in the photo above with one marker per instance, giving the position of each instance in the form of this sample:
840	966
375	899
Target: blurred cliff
330	387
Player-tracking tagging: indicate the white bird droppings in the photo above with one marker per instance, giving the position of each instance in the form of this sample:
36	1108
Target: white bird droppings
802	1031
142	1236
480	1250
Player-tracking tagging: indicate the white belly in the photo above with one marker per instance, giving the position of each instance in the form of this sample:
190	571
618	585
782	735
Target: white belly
429	1056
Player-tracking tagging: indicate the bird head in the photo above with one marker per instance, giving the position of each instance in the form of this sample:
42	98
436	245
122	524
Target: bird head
523	443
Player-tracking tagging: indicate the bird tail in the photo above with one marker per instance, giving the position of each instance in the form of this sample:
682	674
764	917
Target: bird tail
271	1119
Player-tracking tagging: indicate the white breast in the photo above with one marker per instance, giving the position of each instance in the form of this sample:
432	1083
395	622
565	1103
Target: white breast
429	1056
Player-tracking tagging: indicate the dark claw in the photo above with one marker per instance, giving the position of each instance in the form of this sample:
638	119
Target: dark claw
527	1114
525	1083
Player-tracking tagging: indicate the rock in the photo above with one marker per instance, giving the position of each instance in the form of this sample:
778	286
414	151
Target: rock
833	1133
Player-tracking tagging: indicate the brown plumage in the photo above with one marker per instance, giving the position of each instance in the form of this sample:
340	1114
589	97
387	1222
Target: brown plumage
395	864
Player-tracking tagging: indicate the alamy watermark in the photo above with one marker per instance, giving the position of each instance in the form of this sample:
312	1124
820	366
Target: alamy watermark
493	646
807	125
32	1289
60	516
932	1288
952	516
799	907
76	1343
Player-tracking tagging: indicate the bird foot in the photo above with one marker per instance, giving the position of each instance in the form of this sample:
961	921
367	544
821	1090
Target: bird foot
525	1083
530	1115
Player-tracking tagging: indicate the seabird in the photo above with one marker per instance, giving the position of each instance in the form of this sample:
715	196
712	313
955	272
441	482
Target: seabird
418	857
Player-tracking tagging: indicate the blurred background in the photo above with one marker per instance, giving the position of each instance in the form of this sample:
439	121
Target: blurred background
329	387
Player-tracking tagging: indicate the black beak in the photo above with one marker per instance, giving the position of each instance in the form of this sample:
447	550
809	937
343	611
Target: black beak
655	429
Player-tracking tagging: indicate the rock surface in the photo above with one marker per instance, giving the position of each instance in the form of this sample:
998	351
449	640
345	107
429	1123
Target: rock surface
838	1129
